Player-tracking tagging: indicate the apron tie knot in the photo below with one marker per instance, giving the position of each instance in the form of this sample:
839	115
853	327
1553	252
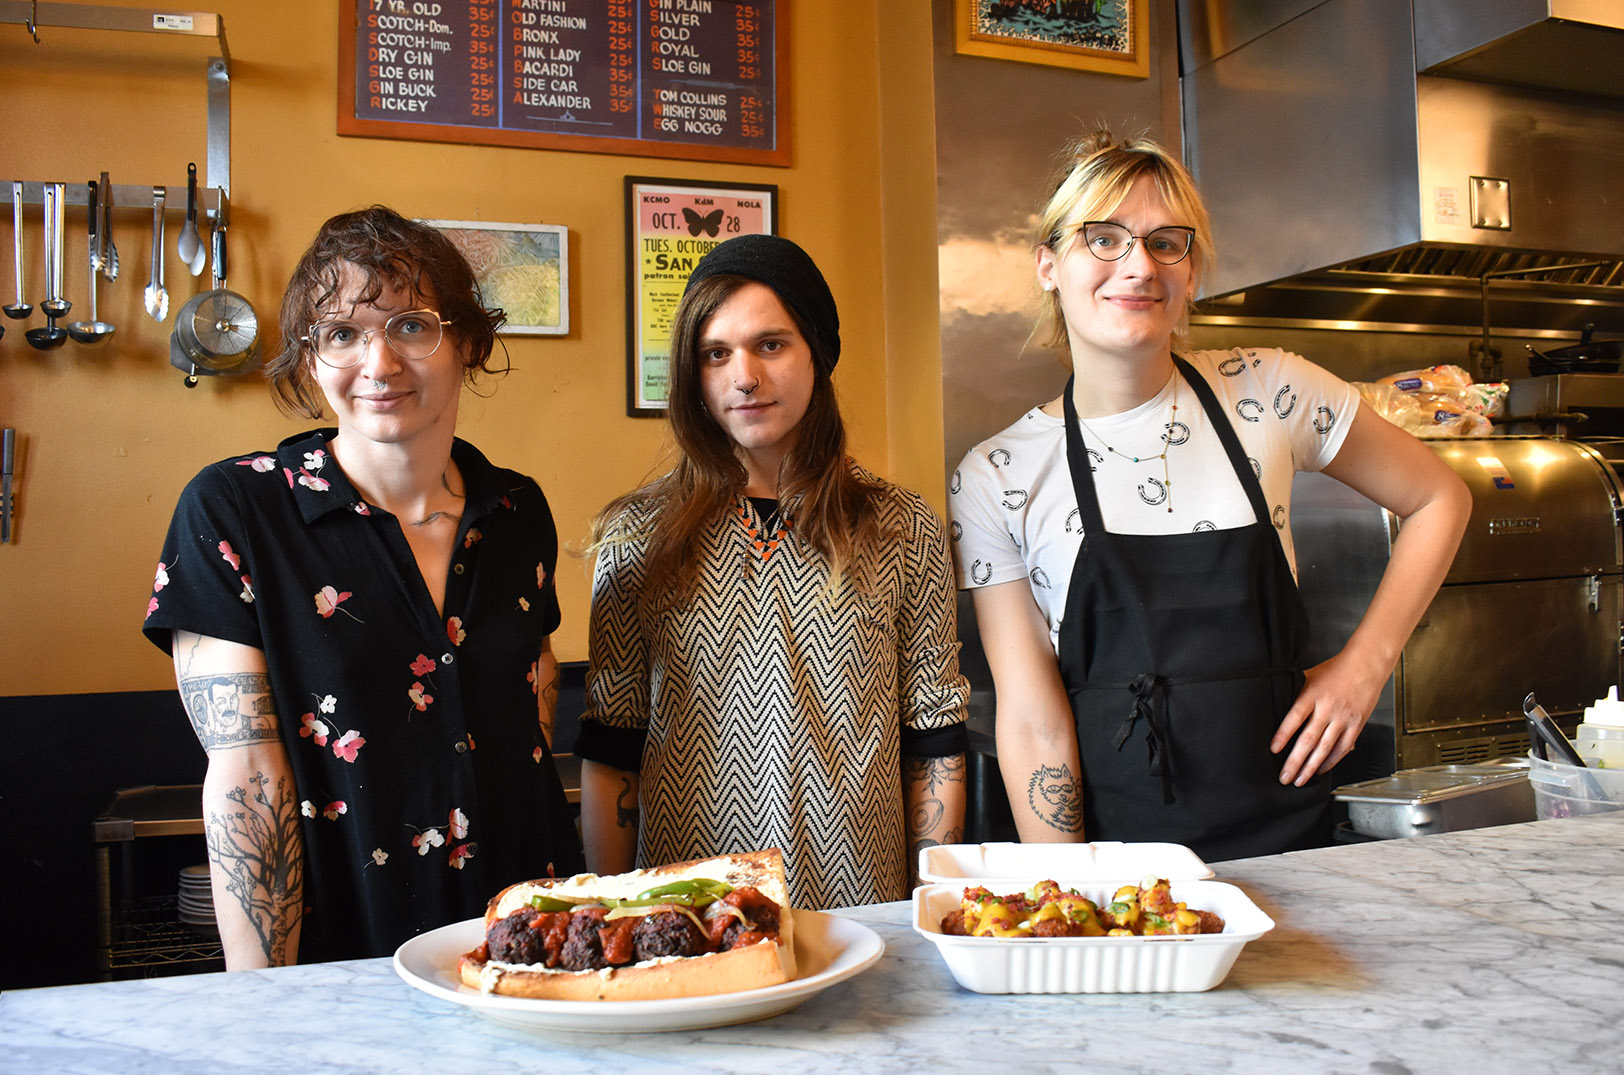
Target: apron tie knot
1149	700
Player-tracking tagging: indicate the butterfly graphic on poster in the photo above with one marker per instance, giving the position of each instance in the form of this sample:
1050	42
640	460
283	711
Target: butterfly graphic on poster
710	223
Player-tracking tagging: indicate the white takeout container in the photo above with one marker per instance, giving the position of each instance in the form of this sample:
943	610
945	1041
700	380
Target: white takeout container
1186	964
1027	864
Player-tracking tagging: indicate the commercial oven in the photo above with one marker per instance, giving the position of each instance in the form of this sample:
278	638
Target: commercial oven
1532	601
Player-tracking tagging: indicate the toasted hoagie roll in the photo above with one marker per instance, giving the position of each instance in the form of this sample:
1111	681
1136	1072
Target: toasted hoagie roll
687	929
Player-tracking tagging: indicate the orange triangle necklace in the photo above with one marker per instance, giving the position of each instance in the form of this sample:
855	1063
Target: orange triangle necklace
777	526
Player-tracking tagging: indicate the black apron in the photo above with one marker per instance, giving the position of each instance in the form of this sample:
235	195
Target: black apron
1182	654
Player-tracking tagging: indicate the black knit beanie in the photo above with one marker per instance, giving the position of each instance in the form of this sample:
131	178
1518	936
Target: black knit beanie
789	271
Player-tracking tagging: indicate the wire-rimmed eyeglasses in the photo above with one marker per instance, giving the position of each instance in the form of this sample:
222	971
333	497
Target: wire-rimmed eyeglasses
1110	241
413	335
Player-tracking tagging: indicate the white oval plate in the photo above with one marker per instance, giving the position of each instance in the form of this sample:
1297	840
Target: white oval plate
828	949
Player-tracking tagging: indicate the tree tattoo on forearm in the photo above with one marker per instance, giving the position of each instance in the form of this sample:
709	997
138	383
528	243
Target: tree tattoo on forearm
258	850
1055	798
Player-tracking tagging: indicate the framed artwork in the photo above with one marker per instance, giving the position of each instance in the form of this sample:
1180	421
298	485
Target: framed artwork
523	268
692	79
670	225
1105	36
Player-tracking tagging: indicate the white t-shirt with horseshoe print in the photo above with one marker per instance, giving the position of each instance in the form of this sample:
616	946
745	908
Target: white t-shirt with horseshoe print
1014	514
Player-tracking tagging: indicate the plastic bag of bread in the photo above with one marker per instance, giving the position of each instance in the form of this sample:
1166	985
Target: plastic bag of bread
1445	415
1426	414
1436	379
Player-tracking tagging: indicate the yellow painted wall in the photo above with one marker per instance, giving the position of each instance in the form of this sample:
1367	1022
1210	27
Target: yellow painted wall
109	436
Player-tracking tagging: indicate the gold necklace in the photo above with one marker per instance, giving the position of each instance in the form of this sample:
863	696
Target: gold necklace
1167	442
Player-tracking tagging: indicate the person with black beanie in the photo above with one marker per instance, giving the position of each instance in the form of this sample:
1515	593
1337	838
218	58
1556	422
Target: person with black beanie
773	644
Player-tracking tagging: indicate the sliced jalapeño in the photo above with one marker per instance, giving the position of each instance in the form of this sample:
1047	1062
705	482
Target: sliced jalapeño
696	892
548	903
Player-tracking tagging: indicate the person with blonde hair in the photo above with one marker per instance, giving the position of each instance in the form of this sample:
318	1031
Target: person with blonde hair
773	645
1128	545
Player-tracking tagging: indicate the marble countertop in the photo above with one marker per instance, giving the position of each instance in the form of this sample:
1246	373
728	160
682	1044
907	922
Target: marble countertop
1492	950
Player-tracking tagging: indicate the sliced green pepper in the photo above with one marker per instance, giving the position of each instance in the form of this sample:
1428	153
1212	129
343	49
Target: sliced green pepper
548	903
697	892
693	886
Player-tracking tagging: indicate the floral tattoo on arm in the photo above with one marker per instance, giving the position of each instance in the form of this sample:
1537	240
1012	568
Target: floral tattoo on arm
926	778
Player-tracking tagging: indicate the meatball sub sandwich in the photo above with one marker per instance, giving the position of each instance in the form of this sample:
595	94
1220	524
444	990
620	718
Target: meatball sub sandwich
688	929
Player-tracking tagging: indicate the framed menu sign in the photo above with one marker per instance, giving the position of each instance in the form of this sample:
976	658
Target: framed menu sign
690	79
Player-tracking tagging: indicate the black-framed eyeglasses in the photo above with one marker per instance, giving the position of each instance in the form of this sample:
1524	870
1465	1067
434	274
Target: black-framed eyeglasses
413	335
1110	241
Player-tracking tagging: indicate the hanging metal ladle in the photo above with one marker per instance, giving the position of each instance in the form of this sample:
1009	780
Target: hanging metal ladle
54	305
19	309
95	330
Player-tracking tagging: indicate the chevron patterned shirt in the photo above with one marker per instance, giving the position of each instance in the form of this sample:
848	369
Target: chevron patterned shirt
767	712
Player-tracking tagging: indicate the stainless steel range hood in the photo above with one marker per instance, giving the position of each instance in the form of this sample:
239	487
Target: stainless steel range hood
1391	162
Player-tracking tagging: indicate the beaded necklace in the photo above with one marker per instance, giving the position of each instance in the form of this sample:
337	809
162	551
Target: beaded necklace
777	524
1167	442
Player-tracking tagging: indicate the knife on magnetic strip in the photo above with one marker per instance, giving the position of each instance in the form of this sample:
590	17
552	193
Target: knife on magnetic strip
8	444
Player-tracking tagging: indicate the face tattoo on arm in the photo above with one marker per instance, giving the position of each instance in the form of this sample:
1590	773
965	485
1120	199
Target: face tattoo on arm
1055	798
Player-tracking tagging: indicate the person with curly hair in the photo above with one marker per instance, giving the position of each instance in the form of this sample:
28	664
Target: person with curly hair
360	623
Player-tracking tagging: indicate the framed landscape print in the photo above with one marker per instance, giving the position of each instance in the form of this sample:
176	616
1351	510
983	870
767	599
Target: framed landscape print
523	268
1105	36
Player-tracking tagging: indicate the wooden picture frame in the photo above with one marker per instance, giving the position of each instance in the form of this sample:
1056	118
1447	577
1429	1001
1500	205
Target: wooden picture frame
670	225
523	268
686	79
1104	36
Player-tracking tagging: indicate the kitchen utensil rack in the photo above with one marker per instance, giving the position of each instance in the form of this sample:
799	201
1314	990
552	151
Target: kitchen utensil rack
35	16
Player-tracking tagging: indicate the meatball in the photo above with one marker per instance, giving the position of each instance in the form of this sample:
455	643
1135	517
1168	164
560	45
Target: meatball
515	939
667	933
583	949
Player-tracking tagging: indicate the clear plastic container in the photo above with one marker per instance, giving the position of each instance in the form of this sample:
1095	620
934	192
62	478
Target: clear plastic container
1562	790
1600	745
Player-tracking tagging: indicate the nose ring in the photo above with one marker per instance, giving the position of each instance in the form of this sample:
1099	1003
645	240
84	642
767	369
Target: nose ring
747	391
379	386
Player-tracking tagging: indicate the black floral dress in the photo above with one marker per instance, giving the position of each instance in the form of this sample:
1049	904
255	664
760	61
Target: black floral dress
422	776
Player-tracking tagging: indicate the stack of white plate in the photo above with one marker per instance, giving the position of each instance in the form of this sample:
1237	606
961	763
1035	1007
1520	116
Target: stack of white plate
196	898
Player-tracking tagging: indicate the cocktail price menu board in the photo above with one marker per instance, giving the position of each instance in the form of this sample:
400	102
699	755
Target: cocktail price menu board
691	79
